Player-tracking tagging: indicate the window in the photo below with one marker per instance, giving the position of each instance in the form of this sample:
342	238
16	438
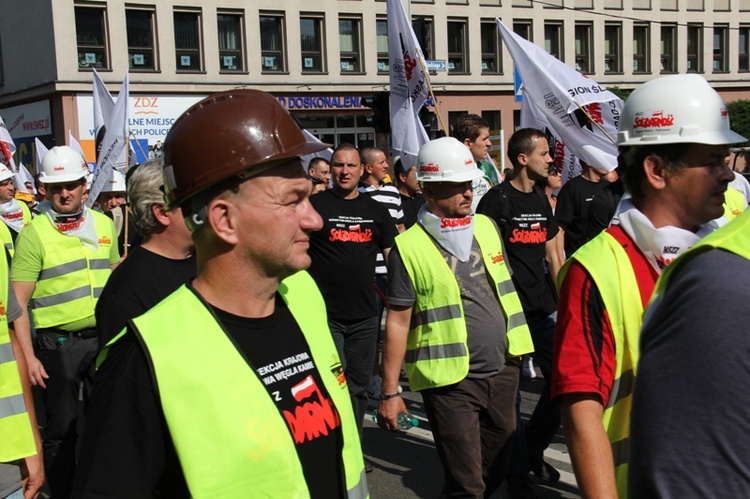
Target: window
583	4
490	48
722	6
522	3
668	4
613	48
744	39
641	4
458	44
612	4
695	5
553	41
424	29
188	42
350	43
721	41
668	48
695	48
312	43
272	41
641	53
492	118
91	36
231	29
523	29
140	26
583	48
381	35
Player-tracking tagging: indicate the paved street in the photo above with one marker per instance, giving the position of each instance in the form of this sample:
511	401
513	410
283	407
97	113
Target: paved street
405	465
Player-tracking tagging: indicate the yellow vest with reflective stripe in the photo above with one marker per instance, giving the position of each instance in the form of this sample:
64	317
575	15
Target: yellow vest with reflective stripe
6	238
437	353
610	268
72	276
16	437
229	436
734	203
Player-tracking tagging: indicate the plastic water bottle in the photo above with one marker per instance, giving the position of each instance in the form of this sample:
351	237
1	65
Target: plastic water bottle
405	420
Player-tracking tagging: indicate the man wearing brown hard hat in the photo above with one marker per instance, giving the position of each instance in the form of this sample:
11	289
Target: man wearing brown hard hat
231	386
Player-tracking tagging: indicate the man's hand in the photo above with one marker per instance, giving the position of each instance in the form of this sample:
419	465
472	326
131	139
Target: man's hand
32	476
37	374
388	411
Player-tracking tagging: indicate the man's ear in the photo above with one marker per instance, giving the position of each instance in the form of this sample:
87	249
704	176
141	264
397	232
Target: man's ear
221	217
467	142
653	167
160	214
367	168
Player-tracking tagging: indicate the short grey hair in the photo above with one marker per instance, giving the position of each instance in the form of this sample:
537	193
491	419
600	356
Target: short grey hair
145	189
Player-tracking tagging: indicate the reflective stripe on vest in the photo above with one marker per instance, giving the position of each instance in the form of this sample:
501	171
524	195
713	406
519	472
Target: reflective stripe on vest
437	353
15	426
6	238
247	451
72	276
609	266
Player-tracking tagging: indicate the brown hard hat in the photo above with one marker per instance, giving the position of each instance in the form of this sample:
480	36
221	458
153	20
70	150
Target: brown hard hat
227	134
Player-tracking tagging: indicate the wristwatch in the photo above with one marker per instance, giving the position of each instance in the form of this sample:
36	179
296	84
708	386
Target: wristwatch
387	396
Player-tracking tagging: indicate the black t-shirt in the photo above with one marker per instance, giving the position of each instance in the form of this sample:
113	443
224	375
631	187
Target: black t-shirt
411	206
603	207
526	224
343	253
127	451
572	209
690	421
141	281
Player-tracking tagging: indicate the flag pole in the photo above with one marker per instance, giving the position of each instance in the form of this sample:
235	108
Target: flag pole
595	123
432	94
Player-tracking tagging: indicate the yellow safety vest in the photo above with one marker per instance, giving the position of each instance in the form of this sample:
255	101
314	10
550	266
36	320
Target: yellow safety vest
437	353
229	436
72	276
16	436
6	238
734	203
609	266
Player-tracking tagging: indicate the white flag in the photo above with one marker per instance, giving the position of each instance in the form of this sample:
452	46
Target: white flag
582	112
409	89
41	150
565	161
7	146
325	153
114	145
104	104
75	144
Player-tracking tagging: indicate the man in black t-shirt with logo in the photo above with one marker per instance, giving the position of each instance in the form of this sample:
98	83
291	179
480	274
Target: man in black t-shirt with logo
231	386
355	229
529	231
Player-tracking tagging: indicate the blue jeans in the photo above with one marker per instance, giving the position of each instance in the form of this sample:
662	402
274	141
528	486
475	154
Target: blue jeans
536	435
356	344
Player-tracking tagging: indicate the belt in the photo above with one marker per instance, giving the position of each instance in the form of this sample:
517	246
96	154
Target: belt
82	334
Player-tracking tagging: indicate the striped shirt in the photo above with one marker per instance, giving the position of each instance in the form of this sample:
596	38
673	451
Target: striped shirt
388	196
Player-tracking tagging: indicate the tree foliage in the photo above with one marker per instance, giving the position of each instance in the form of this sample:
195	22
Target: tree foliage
622	94
739	119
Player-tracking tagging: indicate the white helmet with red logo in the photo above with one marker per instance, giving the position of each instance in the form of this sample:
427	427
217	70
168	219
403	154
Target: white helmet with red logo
673	110
116	183
446	160
5	172
62	164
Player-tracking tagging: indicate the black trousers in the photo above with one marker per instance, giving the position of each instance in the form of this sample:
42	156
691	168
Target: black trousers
68	361
474	424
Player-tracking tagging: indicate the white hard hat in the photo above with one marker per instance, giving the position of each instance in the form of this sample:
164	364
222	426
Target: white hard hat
446	160
5	172
116	183
675	109
62	164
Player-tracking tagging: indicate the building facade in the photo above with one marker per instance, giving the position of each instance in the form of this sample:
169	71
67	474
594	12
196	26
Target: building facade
321	58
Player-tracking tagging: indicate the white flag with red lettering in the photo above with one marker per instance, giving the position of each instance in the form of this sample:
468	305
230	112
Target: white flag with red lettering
409	89
583	113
